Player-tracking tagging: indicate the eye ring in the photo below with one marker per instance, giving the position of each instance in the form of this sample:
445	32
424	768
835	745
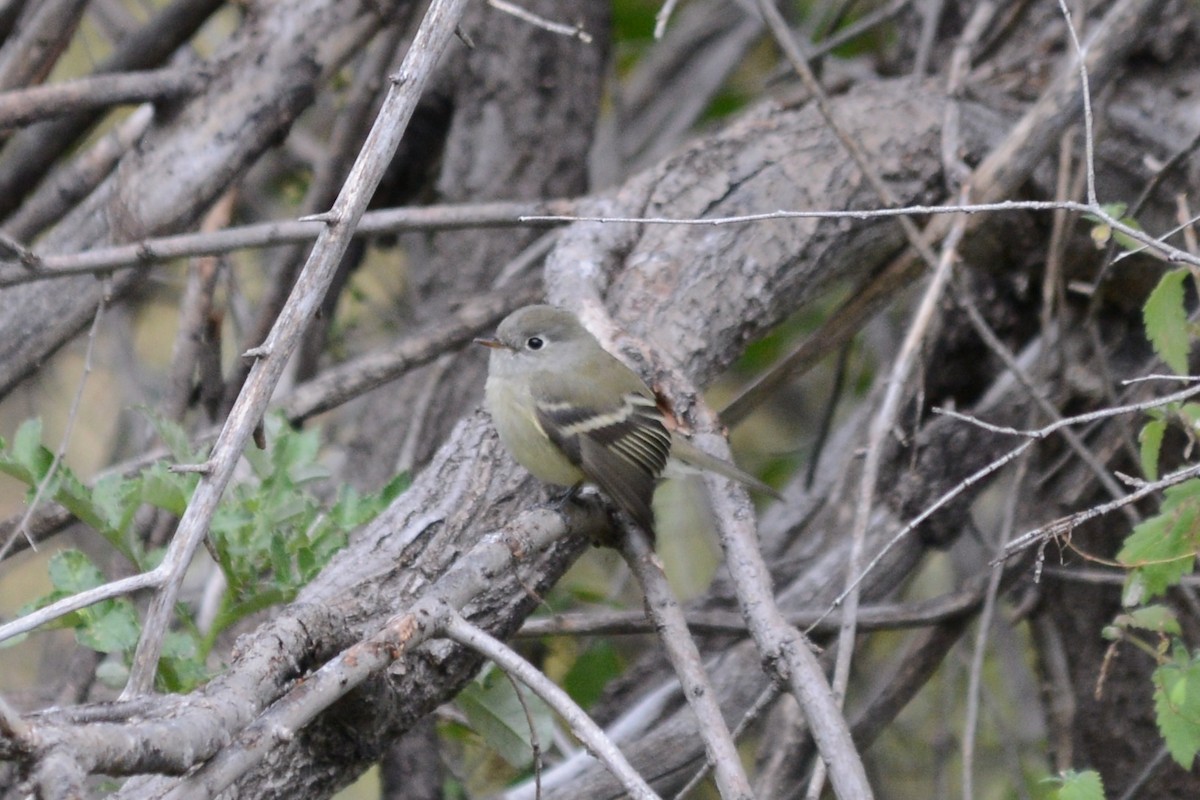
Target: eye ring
535	343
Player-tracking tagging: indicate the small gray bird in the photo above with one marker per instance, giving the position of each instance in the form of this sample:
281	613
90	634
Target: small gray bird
570	413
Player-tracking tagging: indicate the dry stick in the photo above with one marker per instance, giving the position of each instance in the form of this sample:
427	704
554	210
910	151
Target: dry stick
284	263
1154	243
760	706
998	176
37	43
1074	441
799	61
529	532
885	418
684	656
975	674
265	234
472	215
588	732
663	17
880	430
786	652
72	416
1089	141
889	702
435	32
195	315
25	106
873	617
1064	525
118	588
535	744
1034	435
575	31
931	15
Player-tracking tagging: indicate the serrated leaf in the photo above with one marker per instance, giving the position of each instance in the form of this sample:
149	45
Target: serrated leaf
1085	785
173	436
1165	319
112	628
1177	707
496	715
1151	438
78	499
167	490
71	571
111	498
1162	549
1156	618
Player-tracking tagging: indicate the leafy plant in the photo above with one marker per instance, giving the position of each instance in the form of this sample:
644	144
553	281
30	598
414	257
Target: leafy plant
271	534
1162	549
1072	785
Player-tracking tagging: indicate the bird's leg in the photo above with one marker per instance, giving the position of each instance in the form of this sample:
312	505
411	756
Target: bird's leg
616	521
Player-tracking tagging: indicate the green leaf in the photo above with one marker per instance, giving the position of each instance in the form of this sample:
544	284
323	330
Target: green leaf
496	714
181	668
395	487
114	499
71	571
1156	618
110	628
79	500
1162	549
167	490
26	459
1079	786
173	436
1165	318
1151	438
587	678
1177	706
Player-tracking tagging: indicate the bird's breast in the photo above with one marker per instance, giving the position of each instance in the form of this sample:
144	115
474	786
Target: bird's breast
512	410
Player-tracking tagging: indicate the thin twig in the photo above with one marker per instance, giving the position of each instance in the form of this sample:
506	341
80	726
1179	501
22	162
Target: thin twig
1064	525
663	17
975	673
872	617
1071	437
795	55
72	416
1089	143
24	106
881	427
148	252
597	742
525	15
435	32
664	609
1007	458
1156	244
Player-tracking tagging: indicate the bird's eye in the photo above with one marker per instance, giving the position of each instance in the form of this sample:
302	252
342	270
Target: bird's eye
535	343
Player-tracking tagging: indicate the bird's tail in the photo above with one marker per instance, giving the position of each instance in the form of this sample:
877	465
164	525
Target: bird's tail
684	451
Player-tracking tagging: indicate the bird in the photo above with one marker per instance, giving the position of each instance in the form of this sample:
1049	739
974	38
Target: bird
571	413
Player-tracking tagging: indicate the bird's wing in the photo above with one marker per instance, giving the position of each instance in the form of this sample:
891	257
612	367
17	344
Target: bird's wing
622	446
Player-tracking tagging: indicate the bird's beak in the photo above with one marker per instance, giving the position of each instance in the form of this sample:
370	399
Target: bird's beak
495	344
